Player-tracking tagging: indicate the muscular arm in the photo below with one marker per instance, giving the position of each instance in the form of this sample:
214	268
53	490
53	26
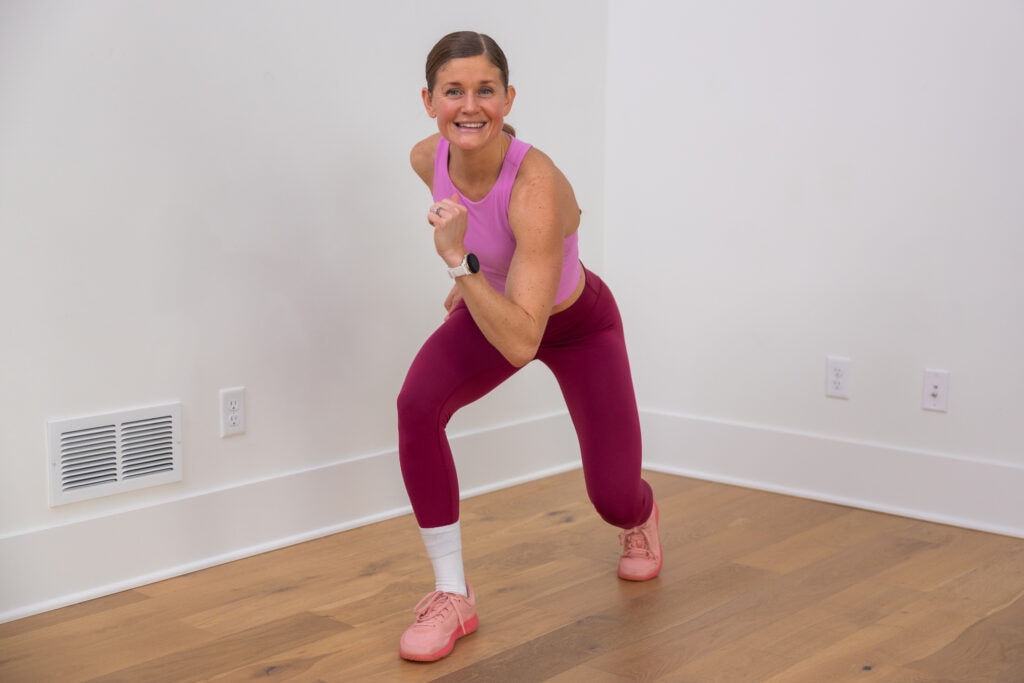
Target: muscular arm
542	212
515	323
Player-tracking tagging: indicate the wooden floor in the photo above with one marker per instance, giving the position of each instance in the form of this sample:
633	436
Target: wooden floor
756	587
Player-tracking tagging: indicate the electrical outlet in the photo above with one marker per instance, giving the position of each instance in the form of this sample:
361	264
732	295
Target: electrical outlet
935	393
232	411
837	377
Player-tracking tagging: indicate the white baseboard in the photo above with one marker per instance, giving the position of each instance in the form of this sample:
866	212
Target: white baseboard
956	490
55	566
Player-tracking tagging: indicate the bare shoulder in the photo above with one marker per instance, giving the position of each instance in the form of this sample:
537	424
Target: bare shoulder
539	172
422	158
539	167
541	182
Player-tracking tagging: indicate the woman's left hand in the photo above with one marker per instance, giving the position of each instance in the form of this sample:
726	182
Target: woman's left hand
452	300
450	220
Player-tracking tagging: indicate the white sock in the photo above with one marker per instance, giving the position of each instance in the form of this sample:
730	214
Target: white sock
444	548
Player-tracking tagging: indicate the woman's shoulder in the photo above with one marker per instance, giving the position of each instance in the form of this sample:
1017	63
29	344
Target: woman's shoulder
540	180
538	168
422	158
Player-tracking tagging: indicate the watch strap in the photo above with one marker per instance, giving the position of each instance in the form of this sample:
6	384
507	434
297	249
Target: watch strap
468	266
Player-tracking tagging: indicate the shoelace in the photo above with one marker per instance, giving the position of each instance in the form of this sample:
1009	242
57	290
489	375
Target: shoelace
431	609
635	543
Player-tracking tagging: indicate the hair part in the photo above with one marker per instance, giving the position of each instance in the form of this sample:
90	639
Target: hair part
461	44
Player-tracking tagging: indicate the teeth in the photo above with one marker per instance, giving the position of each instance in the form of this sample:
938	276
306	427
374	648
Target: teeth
470	125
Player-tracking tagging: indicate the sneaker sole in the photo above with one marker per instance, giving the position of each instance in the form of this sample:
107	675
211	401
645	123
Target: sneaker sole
469	627
645	577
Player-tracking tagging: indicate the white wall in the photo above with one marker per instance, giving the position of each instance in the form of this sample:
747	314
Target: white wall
795	178
197	195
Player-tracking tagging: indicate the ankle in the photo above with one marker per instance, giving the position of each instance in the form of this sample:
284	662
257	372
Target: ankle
450	586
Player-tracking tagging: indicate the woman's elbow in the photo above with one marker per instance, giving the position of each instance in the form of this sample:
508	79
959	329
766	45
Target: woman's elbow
519	347
518	360
520	355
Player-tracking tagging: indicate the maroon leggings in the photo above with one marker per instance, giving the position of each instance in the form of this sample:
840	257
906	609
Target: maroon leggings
585	349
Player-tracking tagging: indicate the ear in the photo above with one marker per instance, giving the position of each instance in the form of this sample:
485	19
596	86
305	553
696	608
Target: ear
428	103
510	95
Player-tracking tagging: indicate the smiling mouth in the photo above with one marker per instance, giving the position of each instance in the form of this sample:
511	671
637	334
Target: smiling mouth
470	125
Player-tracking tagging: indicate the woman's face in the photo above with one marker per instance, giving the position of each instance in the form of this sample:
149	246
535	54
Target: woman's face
469	102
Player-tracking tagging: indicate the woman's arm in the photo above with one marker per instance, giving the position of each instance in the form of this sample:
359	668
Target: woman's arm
542	212
514	323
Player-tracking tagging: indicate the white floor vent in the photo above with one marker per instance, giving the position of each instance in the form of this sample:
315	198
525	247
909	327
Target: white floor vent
101	455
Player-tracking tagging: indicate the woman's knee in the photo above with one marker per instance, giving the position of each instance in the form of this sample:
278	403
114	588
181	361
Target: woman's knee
623	506
415	408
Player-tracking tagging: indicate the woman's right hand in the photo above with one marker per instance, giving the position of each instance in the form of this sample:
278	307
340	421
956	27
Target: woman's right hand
450	220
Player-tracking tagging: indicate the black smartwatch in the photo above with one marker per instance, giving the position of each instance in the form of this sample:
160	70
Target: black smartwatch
470	264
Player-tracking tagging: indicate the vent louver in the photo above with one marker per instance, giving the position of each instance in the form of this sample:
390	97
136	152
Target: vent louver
101	455
88	457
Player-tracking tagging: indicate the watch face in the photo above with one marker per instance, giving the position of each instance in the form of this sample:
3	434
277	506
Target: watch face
473	262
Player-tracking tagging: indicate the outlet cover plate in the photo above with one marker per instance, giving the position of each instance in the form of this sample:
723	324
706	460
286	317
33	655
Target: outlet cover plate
837	377
935	392
232	411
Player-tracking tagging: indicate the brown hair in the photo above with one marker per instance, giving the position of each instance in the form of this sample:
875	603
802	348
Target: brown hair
466	44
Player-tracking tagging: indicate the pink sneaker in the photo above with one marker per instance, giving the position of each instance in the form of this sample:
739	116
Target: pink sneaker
441	619
641	550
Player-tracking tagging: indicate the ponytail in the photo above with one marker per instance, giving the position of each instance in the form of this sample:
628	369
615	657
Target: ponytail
507	127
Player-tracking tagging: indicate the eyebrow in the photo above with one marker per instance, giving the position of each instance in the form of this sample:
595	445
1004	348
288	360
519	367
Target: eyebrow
459	83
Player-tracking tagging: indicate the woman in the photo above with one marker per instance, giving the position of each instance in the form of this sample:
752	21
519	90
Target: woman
505	222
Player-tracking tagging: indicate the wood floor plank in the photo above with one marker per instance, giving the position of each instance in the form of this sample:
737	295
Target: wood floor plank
792	638
673	624
194	664
852	656
991	585
736	529
587	674
73	650
990	650
756	587
69	614
956	553
366	653
909	633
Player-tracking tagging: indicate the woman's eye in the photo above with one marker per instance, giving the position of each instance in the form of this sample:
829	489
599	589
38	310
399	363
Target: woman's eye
486	91
452	92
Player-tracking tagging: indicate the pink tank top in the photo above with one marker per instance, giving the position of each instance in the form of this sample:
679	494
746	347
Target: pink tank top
489	234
